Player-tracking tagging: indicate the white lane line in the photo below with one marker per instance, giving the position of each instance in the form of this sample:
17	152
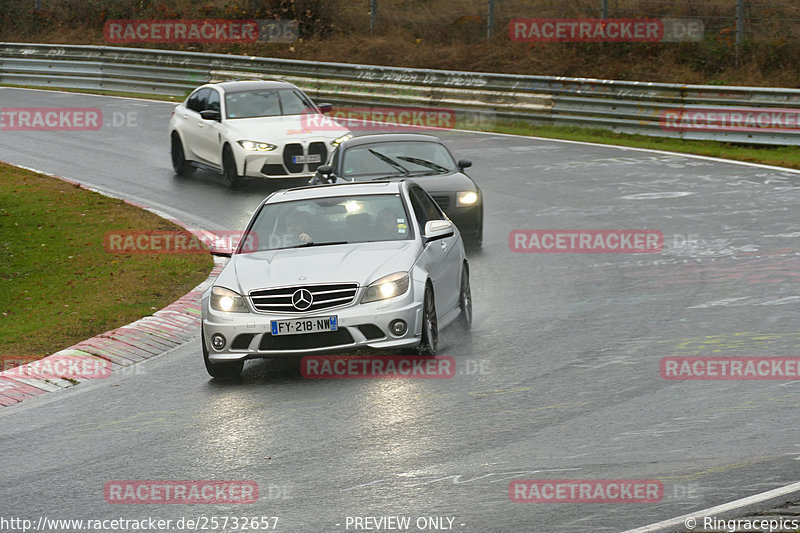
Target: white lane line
697	516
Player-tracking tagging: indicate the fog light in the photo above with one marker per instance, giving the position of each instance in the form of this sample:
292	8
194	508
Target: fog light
218	341
398	327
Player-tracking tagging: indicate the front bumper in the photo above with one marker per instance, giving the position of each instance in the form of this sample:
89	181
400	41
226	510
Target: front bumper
248	335
280	163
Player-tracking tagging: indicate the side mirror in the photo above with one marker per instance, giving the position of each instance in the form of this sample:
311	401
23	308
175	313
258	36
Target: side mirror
220	251
326	108
325	174
464	163
209	114
438	229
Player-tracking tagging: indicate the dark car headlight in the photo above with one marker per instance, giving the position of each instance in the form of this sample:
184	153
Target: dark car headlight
467	198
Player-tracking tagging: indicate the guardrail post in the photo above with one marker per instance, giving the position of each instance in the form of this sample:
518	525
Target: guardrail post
373	14
490	20
604	9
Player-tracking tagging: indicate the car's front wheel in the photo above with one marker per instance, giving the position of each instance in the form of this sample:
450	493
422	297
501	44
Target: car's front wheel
465	302
229	173
430	325
228	369
179	163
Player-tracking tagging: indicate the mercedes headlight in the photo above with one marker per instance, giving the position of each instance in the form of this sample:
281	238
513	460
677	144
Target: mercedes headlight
255	146
226	300
387	287
339	140
466	198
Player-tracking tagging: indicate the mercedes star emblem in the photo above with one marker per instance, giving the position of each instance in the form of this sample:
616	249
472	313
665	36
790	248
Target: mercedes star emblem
302	299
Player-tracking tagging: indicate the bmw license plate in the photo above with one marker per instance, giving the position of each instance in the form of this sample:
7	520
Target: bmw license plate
299	326
303	159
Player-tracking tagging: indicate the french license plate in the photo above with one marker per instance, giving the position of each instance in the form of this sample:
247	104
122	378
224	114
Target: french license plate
299	326
303	159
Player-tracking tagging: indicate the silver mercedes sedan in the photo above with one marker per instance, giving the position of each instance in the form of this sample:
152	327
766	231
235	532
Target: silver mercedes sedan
336	268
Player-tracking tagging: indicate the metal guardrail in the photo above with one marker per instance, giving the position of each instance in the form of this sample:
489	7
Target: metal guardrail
478	98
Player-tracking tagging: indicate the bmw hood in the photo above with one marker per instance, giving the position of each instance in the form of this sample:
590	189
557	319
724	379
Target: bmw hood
362	263
285	128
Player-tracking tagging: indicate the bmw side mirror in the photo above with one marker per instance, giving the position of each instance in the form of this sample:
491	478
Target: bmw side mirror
209	114
464	163
326	108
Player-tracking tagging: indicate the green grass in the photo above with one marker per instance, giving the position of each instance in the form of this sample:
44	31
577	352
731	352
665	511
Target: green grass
59	284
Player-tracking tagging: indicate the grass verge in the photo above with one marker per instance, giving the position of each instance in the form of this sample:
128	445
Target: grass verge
59	285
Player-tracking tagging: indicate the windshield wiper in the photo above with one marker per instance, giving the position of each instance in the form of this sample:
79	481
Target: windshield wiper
424	163
389	161
312	243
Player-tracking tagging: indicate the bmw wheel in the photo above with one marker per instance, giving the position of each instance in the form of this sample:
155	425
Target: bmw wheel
228	369
179	163
229	172
430	325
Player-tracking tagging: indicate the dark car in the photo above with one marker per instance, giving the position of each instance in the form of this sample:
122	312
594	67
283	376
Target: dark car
422	157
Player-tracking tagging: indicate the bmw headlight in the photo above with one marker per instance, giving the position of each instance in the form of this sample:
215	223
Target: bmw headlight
339	140
387	287
466	198
255	146
226	300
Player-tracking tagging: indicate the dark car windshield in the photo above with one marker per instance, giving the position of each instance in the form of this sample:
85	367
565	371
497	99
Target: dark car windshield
396	158
328	221
266	103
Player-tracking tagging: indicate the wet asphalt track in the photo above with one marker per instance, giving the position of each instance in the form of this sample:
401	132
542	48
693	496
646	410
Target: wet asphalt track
560	380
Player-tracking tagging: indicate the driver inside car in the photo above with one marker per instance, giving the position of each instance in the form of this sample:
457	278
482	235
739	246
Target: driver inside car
298	226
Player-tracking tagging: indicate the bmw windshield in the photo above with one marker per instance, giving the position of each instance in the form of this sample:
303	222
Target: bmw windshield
330	221
266	103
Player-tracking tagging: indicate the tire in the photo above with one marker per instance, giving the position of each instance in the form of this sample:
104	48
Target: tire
226	370
430	325
180	165
229	174
465	302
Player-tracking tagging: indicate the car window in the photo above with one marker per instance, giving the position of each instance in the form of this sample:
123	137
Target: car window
425	209
293	103
197	101
212	104
351	219
265	103
397	157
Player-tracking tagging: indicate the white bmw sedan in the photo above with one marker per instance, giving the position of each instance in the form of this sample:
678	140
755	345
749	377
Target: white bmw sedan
254	129
335	268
